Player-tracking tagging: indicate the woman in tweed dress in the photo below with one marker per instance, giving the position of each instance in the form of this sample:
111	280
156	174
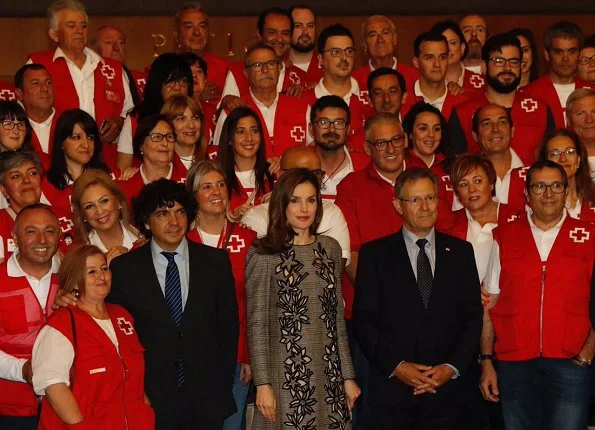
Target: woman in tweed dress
296	330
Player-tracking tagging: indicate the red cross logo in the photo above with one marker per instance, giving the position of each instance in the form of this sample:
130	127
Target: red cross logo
125	326
236	243
477	81
523	173
10	246
294	78
591	207
529	105
7	94
579	235
511	218
108	71
363	97
298	134
447	184
66	224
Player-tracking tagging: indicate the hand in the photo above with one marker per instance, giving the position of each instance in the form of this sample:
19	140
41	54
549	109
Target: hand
486	298
239	212
412	374
294	90
210	92
28	372
114	252
128	173
111	129
232	102
455	89
266	403
63	300
441	374
266	197
245	373
352	391
274	165
488	384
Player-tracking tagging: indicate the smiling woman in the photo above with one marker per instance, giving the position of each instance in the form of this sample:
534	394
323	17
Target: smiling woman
15	130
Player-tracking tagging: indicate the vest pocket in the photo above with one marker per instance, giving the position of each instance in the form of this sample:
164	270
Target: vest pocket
576	325
506	327
13	315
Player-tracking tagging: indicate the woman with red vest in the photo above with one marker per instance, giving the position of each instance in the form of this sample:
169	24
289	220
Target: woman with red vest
563	146
101	215
15	130
243	160
212	227
187	118
426	130
88	361
76	147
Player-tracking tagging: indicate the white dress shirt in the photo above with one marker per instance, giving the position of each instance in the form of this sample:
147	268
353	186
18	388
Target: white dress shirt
42	131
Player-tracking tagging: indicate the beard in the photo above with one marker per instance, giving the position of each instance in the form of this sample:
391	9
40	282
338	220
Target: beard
474	52
300	47
503	88
332	143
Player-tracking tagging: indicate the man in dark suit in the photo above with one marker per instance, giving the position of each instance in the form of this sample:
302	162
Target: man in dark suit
417	314
182	298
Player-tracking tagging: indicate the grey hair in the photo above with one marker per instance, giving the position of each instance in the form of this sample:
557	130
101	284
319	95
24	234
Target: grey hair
186	6
380	118
391	24
575	96
60	5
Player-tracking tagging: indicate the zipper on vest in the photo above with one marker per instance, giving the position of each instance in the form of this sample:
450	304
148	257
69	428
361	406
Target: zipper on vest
123	388
541	311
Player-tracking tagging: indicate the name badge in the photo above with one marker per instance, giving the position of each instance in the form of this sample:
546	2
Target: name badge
98	370
112	96
10	246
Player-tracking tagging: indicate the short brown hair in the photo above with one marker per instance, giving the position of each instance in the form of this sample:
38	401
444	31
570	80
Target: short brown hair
175	106
85	180
465	163
73	268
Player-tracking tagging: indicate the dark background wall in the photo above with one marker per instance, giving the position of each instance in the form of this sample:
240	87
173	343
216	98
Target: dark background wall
12	8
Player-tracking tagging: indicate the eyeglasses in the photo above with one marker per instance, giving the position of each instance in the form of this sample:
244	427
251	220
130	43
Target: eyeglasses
555	154
325	123
397	142
273	64
158	137
337	52
9	125
540	188
583	61
417	201
183	82
500	62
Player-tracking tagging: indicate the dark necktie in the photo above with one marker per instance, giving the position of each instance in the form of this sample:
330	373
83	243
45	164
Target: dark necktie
173	298
424	273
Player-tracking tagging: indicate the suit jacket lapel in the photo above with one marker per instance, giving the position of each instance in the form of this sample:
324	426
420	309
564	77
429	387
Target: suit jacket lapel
405	270
441	270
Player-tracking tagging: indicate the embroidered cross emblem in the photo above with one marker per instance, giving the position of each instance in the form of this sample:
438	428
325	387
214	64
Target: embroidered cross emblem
447	183
363	97
511	218
66	224
523	173
529	105
294	78
125	326
236	243
108	71
477	81
579	235
6	94
298	133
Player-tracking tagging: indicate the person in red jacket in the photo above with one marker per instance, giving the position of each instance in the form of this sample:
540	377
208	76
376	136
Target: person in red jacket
563	42
211	227
303	41
28	285
538	344
87	361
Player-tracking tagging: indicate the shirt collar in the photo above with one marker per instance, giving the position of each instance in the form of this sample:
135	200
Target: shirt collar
261	105
419	93
128	238
321	91
372	68
45	123
182	249
384	178
411	238
534	227
14	269
146	181
92	56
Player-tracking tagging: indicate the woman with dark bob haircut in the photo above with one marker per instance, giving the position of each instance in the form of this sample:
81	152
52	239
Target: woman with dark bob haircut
296	327
563	146
76	147
170	75
243	160
530	63
15	129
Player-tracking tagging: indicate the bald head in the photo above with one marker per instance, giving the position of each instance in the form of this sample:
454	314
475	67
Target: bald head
300	156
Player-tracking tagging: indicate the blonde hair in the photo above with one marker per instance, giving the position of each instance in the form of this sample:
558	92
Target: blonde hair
73	268
175	106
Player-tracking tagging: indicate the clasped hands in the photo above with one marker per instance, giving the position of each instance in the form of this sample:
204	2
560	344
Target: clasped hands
422	378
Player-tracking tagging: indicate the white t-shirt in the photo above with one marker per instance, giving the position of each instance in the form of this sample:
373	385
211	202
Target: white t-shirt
564	91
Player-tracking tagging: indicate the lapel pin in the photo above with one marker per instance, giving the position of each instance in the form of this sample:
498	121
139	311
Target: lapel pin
448	249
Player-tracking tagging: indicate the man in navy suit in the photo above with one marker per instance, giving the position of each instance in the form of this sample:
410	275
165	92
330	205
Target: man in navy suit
417	314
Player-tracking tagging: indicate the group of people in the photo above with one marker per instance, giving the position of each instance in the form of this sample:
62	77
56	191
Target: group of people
382	247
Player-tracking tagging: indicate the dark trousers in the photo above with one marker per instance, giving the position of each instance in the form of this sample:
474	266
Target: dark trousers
423	413
361	415
18	423
478	413
544	394
184	417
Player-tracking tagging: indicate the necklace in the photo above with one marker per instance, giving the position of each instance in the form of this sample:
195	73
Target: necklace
221	235
323	185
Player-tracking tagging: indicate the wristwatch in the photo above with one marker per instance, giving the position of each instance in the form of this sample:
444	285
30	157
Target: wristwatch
484	357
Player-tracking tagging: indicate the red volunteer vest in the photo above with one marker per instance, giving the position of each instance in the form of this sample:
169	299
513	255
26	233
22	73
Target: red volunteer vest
315	71
543	308
21	318
217	68
473	83
460	225
529	116
544	89
239	242
45	158
140	79
450	102
108	386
